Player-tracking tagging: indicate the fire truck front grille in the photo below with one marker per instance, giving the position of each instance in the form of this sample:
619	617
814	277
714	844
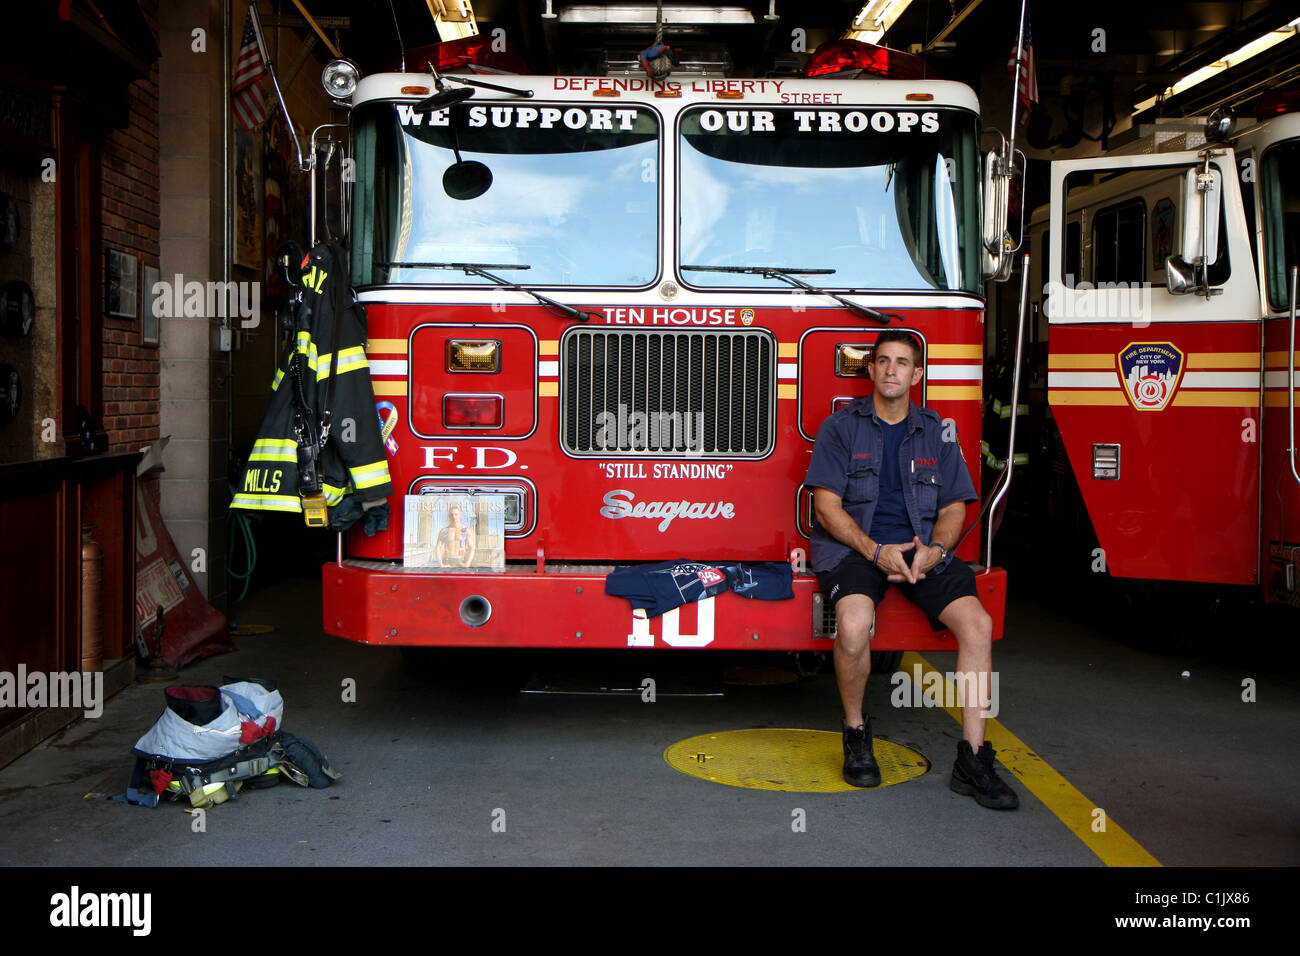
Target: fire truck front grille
667	394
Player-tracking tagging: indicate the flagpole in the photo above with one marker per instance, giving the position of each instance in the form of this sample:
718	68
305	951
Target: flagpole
1015	85
270	68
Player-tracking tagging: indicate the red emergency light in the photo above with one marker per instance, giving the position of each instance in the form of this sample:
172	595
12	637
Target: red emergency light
468	53
1276	103
472	411
841	56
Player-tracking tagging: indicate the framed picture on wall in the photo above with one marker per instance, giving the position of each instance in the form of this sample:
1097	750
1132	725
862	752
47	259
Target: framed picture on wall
248	200
148	320
121	285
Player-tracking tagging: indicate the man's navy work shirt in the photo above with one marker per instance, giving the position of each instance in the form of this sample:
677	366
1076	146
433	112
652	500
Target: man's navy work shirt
846	460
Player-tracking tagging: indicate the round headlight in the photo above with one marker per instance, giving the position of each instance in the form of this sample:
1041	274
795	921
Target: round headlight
340	78
1220	126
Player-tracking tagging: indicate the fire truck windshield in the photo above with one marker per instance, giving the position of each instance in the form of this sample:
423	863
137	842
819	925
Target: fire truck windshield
573	194
887	198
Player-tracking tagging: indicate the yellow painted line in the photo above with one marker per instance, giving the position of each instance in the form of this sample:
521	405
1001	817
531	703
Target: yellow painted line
956	351
787	391
950	392
1065	396
548	389
1082	360
1223	360
1200	399
787	349
388	346
390	388
1277	398
548	347
1276	359
1114	846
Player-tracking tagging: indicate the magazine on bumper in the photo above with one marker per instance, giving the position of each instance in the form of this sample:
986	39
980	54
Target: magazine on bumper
455	532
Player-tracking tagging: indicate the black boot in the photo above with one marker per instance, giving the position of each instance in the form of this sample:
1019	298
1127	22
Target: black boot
973	775
860	768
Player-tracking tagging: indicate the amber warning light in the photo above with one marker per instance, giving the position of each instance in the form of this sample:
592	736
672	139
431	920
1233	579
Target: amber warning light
474	355
852	361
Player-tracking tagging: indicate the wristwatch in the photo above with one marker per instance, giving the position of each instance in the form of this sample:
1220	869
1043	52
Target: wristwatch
943	552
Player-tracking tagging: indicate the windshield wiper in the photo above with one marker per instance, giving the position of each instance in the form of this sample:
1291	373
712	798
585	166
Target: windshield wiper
480	269
786	275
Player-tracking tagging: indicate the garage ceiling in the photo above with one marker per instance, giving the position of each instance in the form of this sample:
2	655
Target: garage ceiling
1125	51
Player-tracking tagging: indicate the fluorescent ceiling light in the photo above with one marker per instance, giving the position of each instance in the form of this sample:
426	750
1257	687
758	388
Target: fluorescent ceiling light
453	18
1219	67
874	20
645	13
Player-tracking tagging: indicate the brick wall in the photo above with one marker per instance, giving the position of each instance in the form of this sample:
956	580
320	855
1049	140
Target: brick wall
130	224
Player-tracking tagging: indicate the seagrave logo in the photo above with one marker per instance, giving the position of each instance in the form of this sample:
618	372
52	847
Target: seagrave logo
619	504
76	909
955	689
78	689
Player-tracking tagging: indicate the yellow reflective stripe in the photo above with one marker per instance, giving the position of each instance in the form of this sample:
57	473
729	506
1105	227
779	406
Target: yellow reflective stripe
279	377
1021	459
274	449
354	357
267	502
349	360
308	348
333	494
367	476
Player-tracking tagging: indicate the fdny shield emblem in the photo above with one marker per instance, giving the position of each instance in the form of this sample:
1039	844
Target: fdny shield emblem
1150	372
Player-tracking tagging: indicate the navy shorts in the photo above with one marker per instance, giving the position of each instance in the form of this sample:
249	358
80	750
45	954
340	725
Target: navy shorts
856	575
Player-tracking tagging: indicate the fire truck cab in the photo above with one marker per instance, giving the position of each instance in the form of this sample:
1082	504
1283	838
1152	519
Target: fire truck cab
618	310
1164	269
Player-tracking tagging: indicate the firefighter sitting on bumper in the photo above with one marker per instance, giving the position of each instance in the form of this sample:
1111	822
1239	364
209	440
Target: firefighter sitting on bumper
890	497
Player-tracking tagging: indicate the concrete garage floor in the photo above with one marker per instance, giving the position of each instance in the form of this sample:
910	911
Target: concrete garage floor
1195	775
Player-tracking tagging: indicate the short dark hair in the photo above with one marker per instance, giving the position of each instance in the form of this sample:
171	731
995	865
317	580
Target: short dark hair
901	335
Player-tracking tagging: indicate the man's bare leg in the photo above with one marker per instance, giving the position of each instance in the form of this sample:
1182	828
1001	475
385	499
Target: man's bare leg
973	628
853	616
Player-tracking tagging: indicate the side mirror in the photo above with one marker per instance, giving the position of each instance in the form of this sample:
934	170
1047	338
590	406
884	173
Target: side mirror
999	245
1202	199
1180	276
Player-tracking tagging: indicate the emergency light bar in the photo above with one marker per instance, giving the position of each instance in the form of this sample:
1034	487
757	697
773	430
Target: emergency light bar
1277	103
841	56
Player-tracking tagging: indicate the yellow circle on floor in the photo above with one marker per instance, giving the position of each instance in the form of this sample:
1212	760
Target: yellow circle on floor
799	761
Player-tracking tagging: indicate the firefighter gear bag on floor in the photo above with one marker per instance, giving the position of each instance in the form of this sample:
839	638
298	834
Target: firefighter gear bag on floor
210	741
319	449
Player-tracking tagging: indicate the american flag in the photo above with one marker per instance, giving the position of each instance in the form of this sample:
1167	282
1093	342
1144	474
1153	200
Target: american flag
249	108
1028	69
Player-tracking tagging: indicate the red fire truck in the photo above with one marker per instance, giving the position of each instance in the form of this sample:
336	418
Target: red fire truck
1170	323
622	308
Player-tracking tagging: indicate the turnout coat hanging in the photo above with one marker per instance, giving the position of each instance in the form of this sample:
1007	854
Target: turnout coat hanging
319	445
